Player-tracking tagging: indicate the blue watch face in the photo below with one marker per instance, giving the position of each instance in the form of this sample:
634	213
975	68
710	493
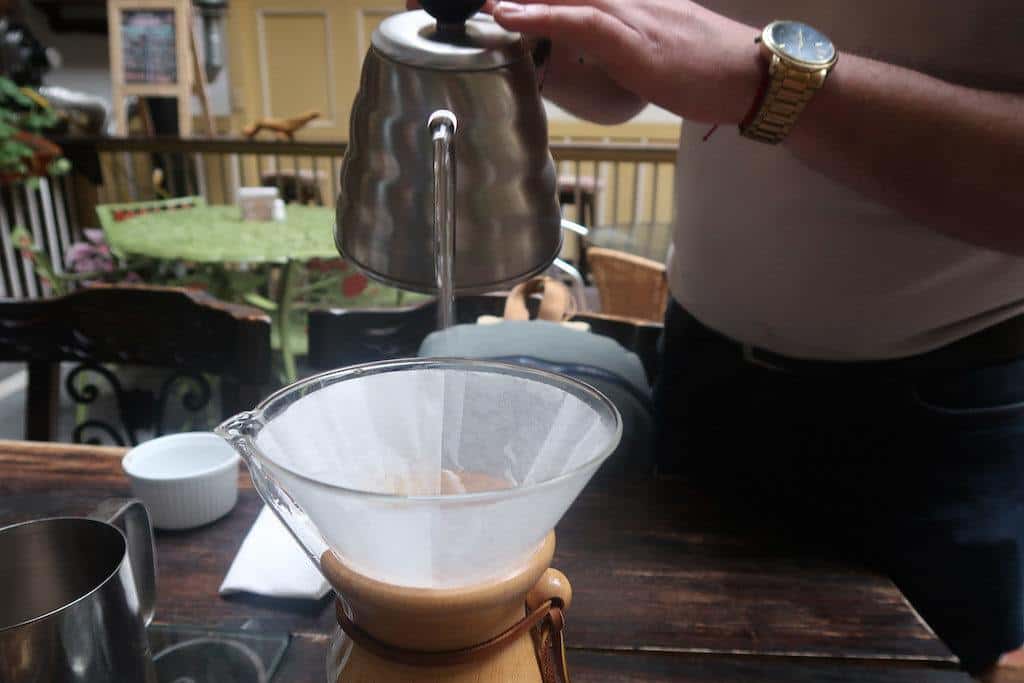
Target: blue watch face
803	43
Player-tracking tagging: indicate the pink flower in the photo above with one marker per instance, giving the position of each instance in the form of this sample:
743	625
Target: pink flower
84	257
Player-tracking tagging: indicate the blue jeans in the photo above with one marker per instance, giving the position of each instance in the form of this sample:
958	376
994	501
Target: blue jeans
920	474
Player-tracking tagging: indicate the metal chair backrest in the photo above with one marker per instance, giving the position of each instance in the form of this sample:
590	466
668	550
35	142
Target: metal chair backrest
186	332
345	337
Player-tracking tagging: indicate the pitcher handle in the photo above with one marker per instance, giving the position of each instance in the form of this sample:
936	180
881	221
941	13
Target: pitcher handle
130	516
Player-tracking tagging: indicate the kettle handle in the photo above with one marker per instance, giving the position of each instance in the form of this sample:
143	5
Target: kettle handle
452	12
131	517
442	125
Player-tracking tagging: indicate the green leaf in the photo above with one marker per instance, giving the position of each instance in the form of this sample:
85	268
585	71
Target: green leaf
39	119
20	236
11	91
47	117
18	149
20	100
59	166
32	183
254	299
25	243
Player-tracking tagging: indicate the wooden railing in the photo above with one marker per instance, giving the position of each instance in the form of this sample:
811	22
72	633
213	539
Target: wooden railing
623	192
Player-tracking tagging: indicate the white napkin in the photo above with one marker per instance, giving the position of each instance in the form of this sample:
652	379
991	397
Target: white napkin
271	562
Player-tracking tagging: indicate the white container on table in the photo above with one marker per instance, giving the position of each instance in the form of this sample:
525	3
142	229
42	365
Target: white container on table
185	480
257	203
280	213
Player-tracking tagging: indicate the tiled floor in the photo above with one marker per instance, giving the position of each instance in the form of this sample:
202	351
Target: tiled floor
13	380
13	384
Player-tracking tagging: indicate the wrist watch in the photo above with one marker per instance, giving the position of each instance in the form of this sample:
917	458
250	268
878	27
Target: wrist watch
799	60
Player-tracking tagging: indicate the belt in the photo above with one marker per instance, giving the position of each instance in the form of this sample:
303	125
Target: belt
995	345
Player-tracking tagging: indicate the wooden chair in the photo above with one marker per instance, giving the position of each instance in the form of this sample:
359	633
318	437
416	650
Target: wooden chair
650	240
339	338
187	332
630	286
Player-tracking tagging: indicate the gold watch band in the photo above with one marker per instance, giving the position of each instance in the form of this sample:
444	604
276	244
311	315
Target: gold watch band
788	91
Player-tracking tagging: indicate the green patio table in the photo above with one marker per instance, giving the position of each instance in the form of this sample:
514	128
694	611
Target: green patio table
216	234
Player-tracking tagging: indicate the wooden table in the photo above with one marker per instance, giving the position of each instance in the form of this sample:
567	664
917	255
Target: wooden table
665	590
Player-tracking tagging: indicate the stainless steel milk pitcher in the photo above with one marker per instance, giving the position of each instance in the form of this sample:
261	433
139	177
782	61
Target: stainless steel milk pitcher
76	594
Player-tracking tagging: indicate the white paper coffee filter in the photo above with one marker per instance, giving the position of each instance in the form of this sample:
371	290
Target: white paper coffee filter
380	435
402	434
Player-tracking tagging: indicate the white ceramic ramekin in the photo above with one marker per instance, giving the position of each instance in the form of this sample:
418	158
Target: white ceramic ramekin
185	480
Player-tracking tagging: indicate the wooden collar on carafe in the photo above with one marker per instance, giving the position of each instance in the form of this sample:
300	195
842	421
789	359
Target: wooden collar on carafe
436	619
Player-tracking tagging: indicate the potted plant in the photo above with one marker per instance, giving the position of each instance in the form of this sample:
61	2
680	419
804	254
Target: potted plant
25	154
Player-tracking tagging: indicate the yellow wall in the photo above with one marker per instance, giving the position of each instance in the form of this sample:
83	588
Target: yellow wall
288	57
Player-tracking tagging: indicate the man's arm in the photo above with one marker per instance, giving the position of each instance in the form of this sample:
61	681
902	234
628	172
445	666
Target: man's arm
948	156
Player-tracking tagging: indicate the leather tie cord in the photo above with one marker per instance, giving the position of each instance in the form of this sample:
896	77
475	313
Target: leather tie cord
546	622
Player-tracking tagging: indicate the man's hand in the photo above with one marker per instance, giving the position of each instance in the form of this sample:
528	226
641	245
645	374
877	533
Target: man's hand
611	57
949	156
674	53
580	87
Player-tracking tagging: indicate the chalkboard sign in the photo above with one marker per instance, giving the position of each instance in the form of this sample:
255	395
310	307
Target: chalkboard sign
149	46
153	54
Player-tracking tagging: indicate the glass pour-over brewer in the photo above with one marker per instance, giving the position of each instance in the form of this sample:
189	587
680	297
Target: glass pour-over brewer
425	491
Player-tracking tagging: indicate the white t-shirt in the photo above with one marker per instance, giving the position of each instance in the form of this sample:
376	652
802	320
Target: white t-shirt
773	254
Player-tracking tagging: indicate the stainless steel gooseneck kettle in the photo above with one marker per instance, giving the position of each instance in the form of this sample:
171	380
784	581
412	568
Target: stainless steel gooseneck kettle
448	128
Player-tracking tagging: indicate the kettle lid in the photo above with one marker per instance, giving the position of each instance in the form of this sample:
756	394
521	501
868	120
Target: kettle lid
449	35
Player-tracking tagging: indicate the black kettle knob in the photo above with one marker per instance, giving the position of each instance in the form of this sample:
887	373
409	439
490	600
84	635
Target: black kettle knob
449	12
